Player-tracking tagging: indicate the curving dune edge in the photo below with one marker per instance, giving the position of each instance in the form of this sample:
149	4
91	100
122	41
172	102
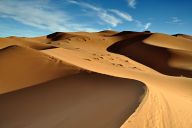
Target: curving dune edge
100	80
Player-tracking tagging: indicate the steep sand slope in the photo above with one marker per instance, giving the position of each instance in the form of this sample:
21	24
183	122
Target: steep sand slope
179	49
163	53
22	67
76	101
169	101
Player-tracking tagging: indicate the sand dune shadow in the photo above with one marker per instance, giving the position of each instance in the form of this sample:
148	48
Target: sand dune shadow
85	100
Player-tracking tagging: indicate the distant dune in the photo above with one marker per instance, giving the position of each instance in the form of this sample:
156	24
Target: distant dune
157	51
104	79
183	36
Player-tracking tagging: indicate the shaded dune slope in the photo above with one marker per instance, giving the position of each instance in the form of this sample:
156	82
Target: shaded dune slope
84	100
152	56
131	35
22	67
128	33
59	36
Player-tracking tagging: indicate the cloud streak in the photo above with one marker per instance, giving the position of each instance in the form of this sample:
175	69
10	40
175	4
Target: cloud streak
142	26
146	26
123	15
132	3
175	20
40	15
103	14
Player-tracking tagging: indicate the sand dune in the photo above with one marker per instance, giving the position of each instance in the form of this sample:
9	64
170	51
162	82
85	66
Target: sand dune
22	67
162	62
183	36
24	42
71	102
166	93
161	58
171	42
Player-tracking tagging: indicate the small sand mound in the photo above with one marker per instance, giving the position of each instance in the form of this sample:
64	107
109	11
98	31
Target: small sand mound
107	33
58	36
183	36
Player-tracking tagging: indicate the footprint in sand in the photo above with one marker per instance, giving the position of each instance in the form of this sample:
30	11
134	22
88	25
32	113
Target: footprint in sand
53	59
94	54
111	58
67	42
49	42
120	65
113	64
117	65
137	68
87	59
96	58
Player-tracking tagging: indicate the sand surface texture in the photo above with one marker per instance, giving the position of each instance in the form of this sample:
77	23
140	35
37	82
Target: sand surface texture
104	79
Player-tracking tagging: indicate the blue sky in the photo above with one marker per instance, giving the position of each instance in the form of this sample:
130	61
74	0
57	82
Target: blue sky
41	17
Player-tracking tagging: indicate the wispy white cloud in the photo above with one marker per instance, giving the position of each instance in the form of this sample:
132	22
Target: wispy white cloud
40	15
109	19
132	3
86	5
100	12
146	26
142	26
107	16
175	20
123	15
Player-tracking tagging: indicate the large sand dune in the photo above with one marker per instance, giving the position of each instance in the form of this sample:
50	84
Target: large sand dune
162	62
85	100
22	67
